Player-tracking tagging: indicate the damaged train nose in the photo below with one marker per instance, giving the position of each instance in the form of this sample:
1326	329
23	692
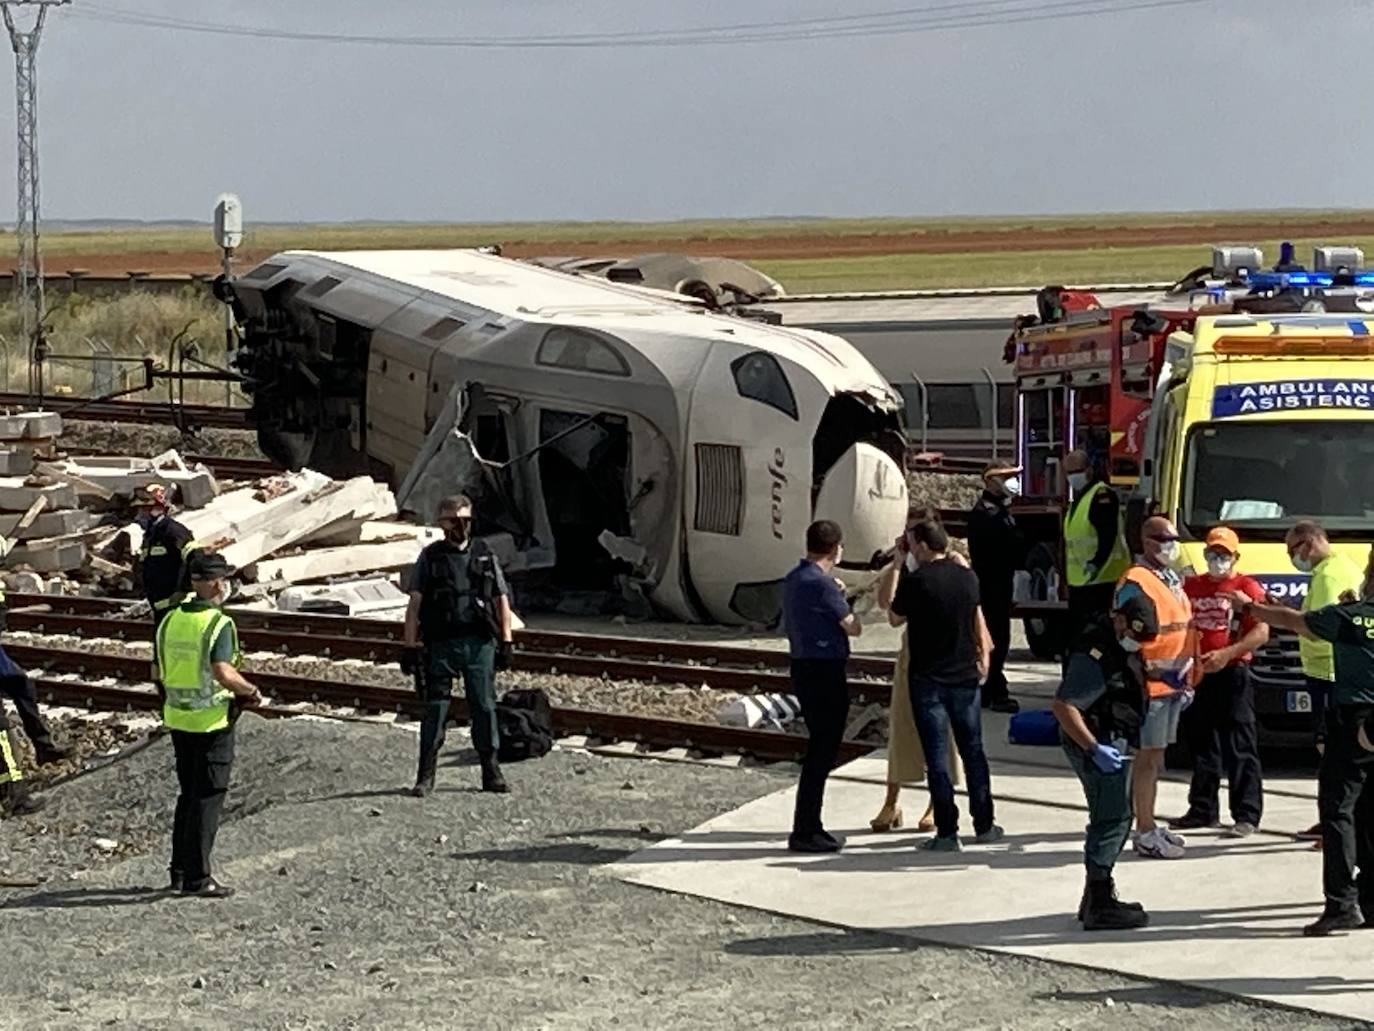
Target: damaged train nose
866	493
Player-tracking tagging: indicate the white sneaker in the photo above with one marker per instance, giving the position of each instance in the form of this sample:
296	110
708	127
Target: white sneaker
1154	845
1176	839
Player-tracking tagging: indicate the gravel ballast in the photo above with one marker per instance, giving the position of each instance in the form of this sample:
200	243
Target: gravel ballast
361	908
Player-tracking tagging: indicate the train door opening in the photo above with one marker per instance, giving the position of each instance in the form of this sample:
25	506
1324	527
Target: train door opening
584	468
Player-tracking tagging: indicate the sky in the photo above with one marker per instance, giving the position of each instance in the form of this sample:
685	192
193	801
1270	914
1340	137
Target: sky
1203	105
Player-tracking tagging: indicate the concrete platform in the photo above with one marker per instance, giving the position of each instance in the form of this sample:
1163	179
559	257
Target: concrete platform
1226	917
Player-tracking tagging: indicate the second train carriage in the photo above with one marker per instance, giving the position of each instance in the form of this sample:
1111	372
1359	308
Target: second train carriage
707	441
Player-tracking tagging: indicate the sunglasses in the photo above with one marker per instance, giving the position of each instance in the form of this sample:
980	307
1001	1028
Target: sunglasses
1162	538
455	520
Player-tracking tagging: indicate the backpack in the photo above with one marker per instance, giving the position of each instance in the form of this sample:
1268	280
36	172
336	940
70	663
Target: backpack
1034	727
524	722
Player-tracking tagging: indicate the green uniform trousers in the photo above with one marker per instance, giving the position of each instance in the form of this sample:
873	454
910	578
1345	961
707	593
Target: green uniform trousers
473	659
1109	812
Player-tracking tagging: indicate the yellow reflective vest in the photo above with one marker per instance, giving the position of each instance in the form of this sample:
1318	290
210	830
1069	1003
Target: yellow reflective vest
1080	545
185	640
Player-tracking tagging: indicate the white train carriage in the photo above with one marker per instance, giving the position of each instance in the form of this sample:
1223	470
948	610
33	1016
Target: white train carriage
694	447
942	351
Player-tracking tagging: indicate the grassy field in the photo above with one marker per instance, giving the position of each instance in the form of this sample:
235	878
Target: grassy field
131	241
1012	268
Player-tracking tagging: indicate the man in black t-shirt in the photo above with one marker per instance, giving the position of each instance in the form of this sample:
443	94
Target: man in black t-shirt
1345	786
948	647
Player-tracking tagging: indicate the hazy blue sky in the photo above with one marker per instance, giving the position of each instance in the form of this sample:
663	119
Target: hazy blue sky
1218	104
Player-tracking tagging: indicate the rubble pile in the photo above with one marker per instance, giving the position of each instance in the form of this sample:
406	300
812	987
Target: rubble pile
316	543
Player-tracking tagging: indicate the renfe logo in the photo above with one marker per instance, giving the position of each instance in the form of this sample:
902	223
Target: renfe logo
1288	588
1292	394
779	481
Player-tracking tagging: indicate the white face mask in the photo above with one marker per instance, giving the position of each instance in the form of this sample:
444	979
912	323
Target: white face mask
910	562
1168	552
1077	481
1220	567
1011	486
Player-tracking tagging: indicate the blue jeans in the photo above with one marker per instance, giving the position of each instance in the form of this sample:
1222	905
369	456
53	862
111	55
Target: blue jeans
937	708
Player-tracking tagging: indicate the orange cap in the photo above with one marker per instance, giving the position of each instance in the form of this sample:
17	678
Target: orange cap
1224	537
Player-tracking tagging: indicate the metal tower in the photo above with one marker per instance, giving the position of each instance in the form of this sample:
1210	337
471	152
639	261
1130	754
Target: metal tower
29	283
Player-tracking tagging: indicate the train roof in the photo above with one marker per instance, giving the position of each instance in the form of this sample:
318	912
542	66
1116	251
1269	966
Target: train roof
648	319
998	305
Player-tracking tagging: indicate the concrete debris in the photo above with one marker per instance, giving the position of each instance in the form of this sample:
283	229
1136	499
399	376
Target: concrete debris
373	598
323	563
30	426
760	710
105	477
17	493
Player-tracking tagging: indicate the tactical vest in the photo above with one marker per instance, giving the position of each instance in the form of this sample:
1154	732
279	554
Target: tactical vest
163	567
195	701
447	595
1168	657
1080	544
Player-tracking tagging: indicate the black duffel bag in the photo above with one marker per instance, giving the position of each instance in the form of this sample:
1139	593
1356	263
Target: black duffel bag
524	720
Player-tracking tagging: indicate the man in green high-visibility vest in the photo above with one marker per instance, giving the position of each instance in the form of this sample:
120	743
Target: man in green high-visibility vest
198	656
1095	555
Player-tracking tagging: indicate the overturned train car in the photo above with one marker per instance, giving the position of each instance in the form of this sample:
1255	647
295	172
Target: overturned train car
615	432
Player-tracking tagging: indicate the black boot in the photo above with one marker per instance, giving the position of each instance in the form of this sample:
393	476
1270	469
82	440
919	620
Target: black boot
424	776
1087	892
492	780
1105	912
18	800
49	752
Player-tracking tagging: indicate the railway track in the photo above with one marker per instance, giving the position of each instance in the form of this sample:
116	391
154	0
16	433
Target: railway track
295	696
720	667
216	416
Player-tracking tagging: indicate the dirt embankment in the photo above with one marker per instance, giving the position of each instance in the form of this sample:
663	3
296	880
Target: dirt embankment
1028	237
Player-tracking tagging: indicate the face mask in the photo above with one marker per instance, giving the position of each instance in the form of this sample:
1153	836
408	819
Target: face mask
221	594
910	562
1302	565
1077	481
1220	567
1168	553
1011	487
1130	644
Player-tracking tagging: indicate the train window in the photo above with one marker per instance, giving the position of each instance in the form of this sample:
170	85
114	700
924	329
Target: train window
758	603
1006	406
266	271
759	377
443	329
954	406
566	348
322	286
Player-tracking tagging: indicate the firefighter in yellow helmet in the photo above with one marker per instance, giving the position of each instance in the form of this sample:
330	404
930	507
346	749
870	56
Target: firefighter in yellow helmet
198	656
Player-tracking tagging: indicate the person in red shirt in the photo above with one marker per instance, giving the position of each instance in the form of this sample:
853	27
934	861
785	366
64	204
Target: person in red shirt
1219	727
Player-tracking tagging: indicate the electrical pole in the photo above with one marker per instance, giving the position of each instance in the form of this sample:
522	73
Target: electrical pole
29	281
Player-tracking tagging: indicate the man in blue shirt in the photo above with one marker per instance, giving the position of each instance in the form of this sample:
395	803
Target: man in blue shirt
819	625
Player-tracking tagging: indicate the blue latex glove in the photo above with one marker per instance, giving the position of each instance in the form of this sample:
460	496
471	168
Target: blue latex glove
1105	758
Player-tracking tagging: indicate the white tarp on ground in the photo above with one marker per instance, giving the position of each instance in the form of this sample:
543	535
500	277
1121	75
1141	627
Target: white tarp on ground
1226	917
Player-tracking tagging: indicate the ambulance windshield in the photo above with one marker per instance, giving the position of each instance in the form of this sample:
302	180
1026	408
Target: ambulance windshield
1261	477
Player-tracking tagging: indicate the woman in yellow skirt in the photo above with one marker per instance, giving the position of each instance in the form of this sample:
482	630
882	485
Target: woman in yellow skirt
906	760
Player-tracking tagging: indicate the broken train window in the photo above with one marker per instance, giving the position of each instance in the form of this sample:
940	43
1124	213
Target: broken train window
759	377
566	348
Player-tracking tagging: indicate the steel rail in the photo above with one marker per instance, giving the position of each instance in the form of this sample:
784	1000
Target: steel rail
260	634
649	731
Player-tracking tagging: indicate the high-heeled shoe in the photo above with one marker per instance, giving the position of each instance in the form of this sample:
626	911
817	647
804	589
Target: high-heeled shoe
927	821
887	819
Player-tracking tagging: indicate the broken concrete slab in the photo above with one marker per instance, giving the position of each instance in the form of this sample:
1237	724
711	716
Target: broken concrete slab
101	476
53	555
16	494
374	598
323	563
16	461
30	425
49	524
257	521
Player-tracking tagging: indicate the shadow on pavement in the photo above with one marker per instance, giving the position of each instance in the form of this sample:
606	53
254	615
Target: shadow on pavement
77	898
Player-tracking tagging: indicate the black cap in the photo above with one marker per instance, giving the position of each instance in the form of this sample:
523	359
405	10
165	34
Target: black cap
208	565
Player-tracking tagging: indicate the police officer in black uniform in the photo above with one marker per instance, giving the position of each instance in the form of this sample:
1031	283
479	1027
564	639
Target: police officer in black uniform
996	551
167	545
458	623
1100	706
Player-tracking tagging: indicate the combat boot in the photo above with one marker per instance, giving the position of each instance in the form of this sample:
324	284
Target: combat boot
492	780
50	752
424	776
1105	912
1087	893
18	800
